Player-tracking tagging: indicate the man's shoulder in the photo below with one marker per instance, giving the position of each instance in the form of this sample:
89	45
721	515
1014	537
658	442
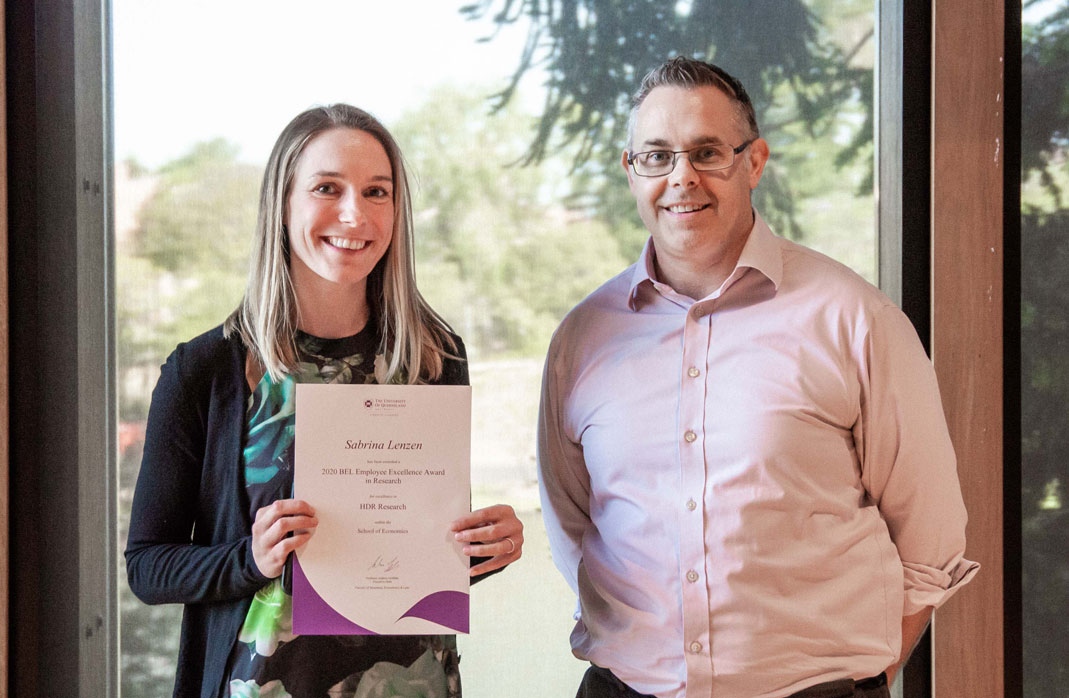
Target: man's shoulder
815	273
608	299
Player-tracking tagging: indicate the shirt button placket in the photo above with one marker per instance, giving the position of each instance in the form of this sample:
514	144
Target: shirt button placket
692	548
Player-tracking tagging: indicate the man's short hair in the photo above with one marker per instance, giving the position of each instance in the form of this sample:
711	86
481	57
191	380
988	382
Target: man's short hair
690	73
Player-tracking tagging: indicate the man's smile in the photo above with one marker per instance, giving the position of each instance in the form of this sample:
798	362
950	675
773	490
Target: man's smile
685	208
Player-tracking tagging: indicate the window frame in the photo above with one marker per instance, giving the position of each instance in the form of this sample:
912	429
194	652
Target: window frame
63	610
61	350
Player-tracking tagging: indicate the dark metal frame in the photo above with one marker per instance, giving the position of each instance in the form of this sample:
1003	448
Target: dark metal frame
63	620
1012	545
904	126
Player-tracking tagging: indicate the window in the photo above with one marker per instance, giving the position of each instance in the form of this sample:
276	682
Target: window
1044	343
511	230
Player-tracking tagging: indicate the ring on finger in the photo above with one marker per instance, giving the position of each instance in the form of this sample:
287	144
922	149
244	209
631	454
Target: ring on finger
512	545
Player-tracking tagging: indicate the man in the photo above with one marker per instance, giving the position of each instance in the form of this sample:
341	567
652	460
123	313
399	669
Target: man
745	470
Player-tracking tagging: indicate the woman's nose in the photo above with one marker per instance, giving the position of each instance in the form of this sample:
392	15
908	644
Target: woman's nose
349	209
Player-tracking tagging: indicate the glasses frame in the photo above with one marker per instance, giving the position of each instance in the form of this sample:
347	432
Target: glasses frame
675	159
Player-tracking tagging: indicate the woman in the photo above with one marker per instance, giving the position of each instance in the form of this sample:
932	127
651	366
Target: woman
331	298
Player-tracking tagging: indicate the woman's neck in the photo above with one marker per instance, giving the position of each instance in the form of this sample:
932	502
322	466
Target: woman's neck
329	311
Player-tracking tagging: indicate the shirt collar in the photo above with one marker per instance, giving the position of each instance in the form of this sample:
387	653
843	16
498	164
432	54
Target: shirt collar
761	252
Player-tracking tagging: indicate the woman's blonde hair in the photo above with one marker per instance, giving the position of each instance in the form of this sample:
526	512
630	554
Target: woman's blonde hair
415	339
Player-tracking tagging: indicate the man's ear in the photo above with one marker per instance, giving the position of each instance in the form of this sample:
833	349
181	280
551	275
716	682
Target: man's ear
627	168
758	153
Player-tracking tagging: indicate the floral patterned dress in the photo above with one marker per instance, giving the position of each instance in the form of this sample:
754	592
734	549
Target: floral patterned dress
267	660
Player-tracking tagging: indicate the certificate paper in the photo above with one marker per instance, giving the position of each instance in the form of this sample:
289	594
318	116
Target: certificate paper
387	469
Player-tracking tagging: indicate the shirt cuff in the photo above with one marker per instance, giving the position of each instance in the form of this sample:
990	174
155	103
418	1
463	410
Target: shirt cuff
930	586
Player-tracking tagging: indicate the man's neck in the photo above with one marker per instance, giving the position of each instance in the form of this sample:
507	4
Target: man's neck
694	277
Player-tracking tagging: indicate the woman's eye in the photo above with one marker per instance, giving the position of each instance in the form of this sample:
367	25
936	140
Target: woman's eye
378	192
324	189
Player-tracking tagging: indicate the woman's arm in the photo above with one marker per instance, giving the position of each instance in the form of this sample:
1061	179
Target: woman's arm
162	563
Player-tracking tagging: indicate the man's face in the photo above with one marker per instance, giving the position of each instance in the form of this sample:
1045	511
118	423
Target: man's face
699	220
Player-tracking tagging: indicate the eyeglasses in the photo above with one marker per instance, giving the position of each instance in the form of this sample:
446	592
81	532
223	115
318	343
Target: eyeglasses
704	158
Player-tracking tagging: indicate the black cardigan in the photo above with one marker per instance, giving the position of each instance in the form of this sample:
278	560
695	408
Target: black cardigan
190	536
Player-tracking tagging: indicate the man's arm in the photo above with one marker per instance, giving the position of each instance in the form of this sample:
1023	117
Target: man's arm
912	628
908	466
563	481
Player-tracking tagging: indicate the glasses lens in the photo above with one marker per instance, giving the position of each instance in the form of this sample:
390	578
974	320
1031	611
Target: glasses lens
654	162
710	157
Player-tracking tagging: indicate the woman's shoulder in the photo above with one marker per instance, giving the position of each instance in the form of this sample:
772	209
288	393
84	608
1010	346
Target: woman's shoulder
454	363
206	355
209	346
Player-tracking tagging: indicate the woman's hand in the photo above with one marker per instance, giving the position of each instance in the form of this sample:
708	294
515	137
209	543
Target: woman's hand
493	532
270	544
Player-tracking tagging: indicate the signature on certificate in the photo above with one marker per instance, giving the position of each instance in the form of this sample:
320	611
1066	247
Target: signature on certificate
385	565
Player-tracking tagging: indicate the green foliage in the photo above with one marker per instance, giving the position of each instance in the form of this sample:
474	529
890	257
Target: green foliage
203	213
1044	415
497	254
1045	97
802	76
184	268
1045	345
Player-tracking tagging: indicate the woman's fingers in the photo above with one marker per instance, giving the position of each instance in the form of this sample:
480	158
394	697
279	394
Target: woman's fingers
280	528
283	507
289	524
483	517
495	532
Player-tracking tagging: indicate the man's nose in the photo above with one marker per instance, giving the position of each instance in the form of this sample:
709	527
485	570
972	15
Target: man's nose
683	172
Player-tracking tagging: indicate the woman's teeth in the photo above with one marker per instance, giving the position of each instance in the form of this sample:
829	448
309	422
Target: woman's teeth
347	244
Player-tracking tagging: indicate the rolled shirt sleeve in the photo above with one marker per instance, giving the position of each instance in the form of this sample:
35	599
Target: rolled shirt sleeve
907	461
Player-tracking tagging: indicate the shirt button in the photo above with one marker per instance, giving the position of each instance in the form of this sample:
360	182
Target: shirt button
691	505
693	372
695	647
692	576
690	436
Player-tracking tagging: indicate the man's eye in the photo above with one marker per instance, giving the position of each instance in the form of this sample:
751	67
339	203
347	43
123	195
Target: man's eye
708	154
656	157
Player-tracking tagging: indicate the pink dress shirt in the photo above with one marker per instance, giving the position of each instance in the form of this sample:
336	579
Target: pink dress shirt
746	492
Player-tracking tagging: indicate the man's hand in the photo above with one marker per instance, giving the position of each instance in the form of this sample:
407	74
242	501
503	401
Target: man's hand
912	629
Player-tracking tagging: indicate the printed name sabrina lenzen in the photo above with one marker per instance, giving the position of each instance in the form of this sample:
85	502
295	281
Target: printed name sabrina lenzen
387	445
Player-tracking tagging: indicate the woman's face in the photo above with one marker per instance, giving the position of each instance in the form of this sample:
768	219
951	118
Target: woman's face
339	212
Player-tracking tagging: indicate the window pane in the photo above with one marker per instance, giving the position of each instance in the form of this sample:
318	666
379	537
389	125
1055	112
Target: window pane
1045	345
511	231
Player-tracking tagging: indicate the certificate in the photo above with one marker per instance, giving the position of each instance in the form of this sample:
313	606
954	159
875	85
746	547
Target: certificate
387	469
